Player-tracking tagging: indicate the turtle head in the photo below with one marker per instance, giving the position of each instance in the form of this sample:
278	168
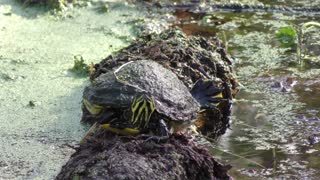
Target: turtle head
94	109
142	108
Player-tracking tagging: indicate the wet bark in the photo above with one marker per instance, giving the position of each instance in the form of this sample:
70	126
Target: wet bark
105	155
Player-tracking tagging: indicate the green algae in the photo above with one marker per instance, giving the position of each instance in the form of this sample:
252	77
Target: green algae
263	118
36	52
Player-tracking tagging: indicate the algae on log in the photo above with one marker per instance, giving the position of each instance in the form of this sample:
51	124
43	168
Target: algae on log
105	155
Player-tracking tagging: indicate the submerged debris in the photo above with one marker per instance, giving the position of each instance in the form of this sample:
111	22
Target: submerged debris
285	85
105	155
313	139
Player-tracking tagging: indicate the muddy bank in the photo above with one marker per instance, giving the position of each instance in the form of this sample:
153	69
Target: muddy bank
106	155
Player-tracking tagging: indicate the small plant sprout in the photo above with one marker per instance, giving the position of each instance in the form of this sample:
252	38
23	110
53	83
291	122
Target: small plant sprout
301	32
292	36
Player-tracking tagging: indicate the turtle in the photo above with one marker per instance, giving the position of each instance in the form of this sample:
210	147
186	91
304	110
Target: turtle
143	97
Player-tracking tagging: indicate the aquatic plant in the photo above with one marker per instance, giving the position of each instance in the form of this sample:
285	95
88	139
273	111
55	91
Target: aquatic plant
287	36
301	32
292	36
80	67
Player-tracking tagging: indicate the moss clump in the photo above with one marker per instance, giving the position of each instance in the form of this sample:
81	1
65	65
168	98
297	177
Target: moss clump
287	36
80	67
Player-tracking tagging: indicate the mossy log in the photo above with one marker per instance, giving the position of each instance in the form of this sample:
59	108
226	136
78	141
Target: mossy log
105	155
191	58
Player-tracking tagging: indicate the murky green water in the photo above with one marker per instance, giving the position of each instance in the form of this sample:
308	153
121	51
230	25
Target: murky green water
271	129
39	97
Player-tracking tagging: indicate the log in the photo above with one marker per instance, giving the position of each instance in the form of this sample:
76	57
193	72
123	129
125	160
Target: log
105	155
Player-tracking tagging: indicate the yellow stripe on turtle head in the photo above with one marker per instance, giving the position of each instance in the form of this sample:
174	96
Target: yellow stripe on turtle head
92	108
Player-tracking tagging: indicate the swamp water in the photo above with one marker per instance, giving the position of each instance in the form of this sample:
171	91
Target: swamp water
273	127
40	98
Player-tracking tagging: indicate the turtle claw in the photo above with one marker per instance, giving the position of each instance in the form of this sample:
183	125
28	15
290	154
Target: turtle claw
87	134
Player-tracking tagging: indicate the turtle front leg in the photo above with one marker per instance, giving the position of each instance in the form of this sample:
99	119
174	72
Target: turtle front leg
163	129
162	135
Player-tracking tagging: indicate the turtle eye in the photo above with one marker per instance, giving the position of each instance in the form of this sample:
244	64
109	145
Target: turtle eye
142	109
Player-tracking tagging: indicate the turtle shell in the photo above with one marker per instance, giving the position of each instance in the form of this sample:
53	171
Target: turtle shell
117	89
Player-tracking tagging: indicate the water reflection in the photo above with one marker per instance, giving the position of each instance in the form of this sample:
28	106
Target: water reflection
272	129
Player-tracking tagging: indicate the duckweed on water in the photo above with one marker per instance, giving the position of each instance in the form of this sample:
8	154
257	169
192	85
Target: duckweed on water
37	50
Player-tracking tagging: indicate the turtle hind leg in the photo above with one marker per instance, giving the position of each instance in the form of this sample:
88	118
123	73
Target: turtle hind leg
206	93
